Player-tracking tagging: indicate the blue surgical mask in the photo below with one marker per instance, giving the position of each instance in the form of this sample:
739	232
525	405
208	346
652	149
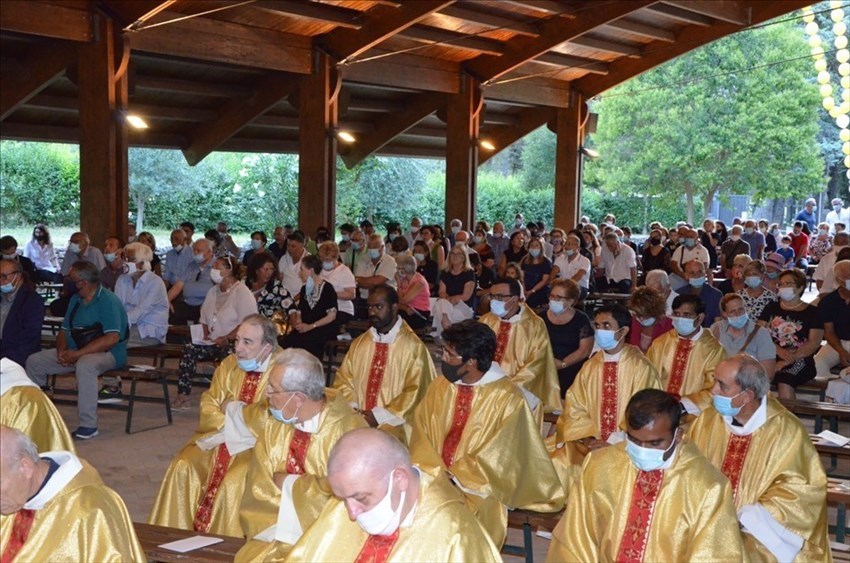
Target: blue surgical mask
606	339
346	238
256	244
557	307
198	258
476	239
752	281
109	256
570	252
739	322
498	308
178	248
697	282
683	326
328	266
723	405
647	459
690	242
251	364
647	322
836	208
535	252
74	248
374	253
392	236
7	288
773	275
749	230
419	257
787	293
309	285
355	245
278	413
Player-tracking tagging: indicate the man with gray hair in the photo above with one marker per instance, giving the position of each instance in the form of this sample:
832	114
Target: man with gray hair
80	248
54	507
386	509
188	293
93	340
660	282
288	469
823	275
777	478
376	268
178	259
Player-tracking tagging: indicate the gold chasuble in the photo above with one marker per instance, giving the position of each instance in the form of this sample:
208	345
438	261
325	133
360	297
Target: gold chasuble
300	452
778	481
440	529
386	374
74	517
686	366
486	438
524	352
683	512
202	488
595	405
25	407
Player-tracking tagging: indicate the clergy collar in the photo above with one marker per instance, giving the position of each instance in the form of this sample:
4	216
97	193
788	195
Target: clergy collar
495	373
311	426
69	466
516	318
408	520
695	337
13	375
606	357
754	423
389	337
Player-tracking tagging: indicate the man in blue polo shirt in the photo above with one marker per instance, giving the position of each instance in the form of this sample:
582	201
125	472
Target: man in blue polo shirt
89	356
187	294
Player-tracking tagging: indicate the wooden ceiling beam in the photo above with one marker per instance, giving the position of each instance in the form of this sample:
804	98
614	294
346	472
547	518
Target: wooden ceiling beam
682	15
323	13
607	46
46	20
166	84
489	19
553	32
532	91
61	134
644	30
453	39
236	113
379	24
42	66
388	126
503	136
723	10
405	71
133	13
688	38
570	62
548	6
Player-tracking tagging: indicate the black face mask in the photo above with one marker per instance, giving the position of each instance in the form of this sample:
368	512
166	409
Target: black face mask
450	372
655	241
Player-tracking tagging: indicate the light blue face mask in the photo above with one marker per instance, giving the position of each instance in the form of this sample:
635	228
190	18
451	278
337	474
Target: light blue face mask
647	459
752	281
498	308
109	257
309	285
647	322
256	244
535	252
690	243
749	230
7	288
739	322
419	257
684	326
723	405
606	339
697	282
355	245
250	364
773	275
278	413
557	307
198	258
328	266
74	248
374	253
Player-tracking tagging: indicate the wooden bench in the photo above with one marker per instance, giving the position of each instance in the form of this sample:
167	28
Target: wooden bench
529	521
820	410
838	495
151	537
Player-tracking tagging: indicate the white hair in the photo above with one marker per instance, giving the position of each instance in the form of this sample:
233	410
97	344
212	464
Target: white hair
140	250
659	277
302	373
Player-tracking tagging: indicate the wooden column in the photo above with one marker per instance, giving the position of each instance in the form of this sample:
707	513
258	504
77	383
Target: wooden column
568	164
317	103
103	134
462	120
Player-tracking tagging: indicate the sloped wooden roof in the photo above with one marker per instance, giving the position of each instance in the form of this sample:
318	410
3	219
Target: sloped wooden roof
398	60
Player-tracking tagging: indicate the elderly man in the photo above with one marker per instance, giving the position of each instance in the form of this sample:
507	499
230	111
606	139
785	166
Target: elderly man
572	265
54	507
356	250
732	247
278	247
188	293
9	250
287	475
690	249
80	248
838	214
698	285
620	265
21	314
660	282
378	268
685	357
753	237
455	227
386	509
737	332
113	253
498	241
177	259
652	498
387	369
523	350
834	311
823	275
413	234
25	407
93	340
290	264
467	422
226	240
206	479
777	478
807	214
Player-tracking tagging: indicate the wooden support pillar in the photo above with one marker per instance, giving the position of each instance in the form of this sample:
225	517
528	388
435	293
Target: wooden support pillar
568	163
462	120
318	114
103	134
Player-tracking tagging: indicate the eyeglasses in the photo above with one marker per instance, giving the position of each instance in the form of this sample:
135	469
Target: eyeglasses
553	297
5	277
500	296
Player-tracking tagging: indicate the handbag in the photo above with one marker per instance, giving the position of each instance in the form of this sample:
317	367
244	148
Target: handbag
83	336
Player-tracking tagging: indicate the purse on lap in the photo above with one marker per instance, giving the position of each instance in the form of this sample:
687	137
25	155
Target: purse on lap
83	336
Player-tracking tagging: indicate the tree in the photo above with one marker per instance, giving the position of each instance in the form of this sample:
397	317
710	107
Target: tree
702	127
154	174
380	189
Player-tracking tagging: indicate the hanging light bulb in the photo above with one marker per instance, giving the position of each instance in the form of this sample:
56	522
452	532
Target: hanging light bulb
844	70
844	135
814	41
837	15
823	77
845	79
840	41
839	28
825	90
843	121
834	4
817	52
834	113
842	56
820	65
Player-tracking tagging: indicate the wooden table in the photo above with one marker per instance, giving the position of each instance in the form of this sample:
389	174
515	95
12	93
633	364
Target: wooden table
151	537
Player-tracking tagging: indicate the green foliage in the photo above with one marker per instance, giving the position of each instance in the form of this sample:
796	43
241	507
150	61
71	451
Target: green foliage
538	159
380	189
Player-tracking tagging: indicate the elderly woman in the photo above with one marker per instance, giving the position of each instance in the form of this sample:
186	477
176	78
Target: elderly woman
315	322
341	278
147	238
263	281
570	331
457	287
820	244
414	298
796	330
754	293
735	282
737	333
226	305
649	319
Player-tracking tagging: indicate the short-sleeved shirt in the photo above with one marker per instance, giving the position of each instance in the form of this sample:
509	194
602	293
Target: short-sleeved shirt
105	308
732	248
682	255
486	278
618	268
273	297
431	272
566	339
760	347
790	330
422	300
454	283
91	255
567	268
834	309
756	242
755	305
197	283
222	311
318	309
533	274
341	279
386	267
176	264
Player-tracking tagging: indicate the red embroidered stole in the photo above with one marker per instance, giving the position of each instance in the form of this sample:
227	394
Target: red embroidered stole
221	462
377	548
297	452
608	406
733	461
680	364
376	375
463	406
20	532
633	544
502	340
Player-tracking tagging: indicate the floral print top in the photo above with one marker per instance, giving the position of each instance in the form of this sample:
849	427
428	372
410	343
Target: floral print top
755	305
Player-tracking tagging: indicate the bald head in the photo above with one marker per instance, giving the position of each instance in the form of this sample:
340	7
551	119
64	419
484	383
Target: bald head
367	451
21	470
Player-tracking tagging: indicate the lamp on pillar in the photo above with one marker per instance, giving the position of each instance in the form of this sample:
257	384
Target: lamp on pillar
589	153
486	145
343	136
135	121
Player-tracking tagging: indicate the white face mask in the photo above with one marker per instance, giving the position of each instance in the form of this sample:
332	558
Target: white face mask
215	276
382	520
130	268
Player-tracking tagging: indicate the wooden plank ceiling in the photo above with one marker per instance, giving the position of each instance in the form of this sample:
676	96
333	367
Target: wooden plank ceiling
399	59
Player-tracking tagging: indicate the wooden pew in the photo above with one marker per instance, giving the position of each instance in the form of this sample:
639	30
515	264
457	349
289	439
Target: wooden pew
151	537
820	410
529	521
838	495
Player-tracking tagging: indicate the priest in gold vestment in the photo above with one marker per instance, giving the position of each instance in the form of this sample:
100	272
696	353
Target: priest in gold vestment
54	507
595	405
776	474
475	425
24	406
387	369
523	350
685	357
388	510
286	485
650	498
204	483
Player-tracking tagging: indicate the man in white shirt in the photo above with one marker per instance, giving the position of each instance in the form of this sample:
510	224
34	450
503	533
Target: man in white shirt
572	265
658	280
290	264
620	265
690	249
823	273
838	215
413	234
462	239
378	269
